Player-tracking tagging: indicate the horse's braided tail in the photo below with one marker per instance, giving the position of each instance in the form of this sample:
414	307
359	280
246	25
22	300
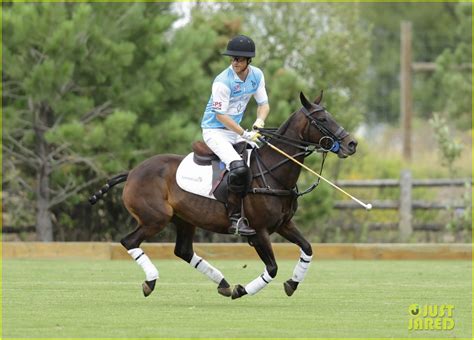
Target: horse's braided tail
110	183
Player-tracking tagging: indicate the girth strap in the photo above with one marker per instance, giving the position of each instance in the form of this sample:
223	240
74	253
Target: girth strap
273	192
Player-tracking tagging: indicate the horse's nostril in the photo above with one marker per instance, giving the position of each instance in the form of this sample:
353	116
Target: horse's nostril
352	145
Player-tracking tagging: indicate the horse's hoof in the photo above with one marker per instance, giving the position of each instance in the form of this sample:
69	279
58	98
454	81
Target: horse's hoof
148	287
290	287
224	288
225	291
238	291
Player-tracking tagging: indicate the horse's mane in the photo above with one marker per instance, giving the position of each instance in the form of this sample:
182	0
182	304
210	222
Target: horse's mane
282	129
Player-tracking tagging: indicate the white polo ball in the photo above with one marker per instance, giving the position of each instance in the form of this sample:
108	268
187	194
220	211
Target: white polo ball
369	206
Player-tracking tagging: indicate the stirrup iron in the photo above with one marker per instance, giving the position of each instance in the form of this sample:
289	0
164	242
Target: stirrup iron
242	222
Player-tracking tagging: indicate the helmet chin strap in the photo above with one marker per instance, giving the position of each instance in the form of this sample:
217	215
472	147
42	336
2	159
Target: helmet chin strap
249	60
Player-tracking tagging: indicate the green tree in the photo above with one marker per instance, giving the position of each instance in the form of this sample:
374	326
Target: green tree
449	148
90	90
433	30
452	72
63	68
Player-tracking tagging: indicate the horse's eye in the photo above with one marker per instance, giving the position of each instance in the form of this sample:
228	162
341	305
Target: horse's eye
322	120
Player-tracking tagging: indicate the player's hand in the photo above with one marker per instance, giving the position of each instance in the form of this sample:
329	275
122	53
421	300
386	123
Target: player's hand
251	136
259	124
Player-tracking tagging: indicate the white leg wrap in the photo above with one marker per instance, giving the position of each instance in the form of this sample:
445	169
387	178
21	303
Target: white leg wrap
205	268
301	267
144	261
259	283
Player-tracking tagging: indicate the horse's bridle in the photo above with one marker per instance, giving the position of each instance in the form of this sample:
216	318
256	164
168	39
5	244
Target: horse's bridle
328	142
334	140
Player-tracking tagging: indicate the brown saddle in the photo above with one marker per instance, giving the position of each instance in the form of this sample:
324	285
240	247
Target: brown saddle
203	155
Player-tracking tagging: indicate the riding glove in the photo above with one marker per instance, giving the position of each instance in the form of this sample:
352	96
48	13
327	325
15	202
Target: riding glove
251	136
259	124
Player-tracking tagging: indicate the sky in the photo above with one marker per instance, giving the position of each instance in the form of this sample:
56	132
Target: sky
183	9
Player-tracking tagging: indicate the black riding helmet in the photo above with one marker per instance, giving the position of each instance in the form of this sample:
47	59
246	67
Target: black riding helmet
240	46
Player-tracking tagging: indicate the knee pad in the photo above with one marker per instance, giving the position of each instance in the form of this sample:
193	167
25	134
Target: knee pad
239	178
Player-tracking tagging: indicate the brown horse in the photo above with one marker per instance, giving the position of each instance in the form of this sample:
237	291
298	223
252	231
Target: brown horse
154	199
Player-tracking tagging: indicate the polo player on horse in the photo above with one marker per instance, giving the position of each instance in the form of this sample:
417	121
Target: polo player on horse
231	92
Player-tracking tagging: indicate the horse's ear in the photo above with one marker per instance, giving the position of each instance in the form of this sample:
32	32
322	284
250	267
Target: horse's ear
305	101
319	98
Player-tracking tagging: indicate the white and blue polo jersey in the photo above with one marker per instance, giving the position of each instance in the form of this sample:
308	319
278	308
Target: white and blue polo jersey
230	96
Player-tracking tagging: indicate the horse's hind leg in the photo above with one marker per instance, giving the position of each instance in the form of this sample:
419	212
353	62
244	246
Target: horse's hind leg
184	250
132	242
292	234
151	221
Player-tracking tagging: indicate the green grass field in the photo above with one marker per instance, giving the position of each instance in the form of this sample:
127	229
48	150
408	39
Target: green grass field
344	299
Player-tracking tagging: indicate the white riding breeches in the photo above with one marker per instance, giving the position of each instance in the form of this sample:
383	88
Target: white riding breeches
220	141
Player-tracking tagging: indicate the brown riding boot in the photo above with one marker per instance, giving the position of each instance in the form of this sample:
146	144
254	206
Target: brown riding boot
239	225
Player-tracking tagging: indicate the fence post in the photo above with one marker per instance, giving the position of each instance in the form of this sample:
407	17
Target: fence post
405	227
406	87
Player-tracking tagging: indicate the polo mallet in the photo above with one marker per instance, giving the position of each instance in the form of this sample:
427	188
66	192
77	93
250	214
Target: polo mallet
367	206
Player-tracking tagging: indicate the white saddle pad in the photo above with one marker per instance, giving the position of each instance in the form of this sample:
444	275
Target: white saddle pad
196	179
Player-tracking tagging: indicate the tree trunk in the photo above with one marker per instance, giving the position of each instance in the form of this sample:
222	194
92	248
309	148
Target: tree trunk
44	224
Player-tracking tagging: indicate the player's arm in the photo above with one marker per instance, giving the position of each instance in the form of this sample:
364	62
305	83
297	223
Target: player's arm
263	107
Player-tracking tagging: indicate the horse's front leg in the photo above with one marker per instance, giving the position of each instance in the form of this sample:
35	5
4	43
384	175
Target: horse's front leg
263	246
184	250
292	234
